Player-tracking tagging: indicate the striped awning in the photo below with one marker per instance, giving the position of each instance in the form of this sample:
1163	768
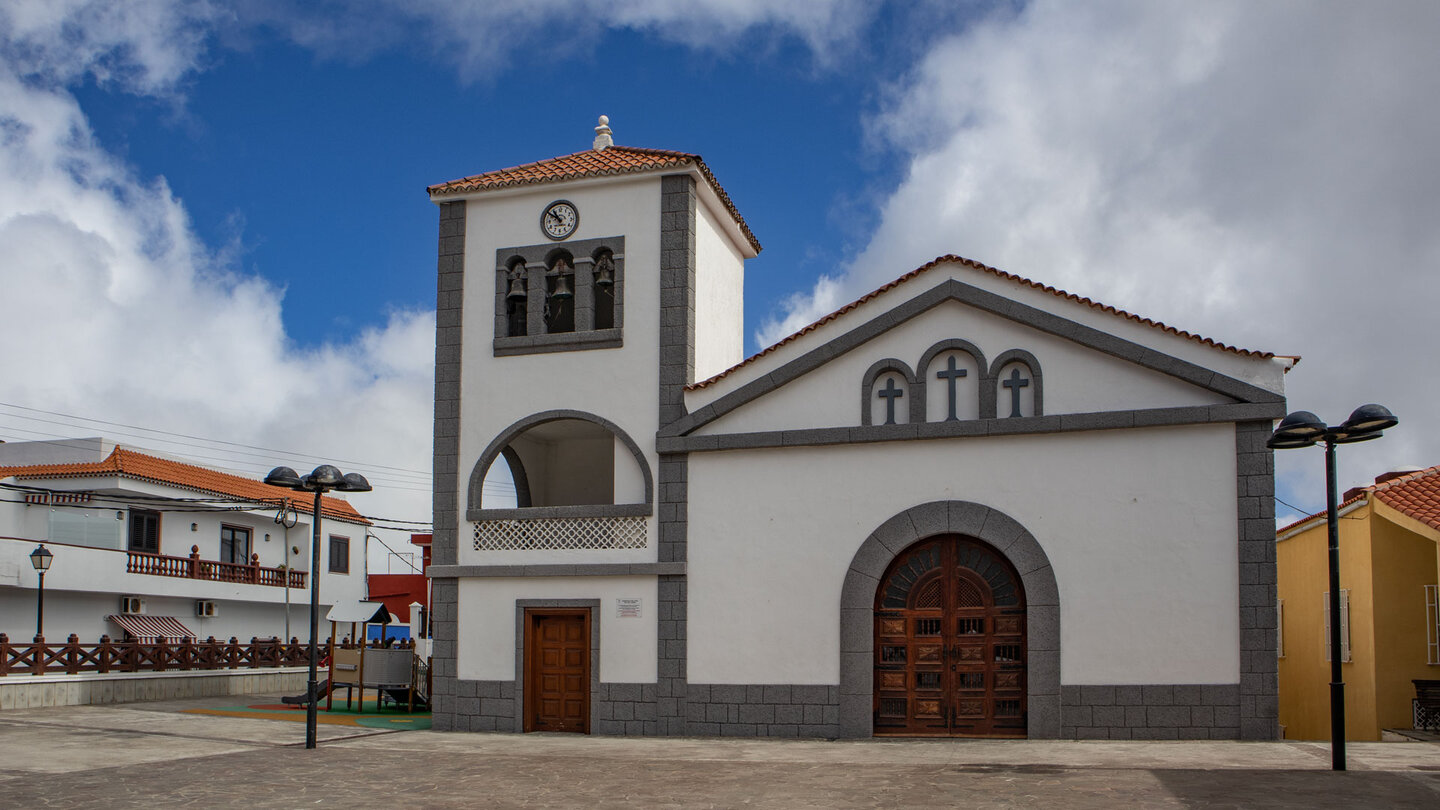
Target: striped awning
150	629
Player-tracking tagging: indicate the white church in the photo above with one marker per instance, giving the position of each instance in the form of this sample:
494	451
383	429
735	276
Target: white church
965	504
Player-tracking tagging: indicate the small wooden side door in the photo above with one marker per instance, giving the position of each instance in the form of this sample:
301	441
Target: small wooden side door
557	670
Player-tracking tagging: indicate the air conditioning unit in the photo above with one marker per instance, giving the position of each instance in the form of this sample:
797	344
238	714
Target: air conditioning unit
132	604
205	608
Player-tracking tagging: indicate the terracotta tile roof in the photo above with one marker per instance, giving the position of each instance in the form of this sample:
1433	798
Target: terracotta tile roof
951	258
140	467
612	160
1415	495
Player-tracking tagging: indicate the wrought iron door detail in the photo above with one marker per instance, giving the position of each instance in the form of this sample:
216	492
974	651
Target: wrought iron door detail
950	643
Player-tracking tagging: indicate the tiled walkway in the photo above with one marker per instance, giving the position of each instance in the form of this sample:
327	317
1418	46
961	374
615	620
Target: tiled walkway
150	755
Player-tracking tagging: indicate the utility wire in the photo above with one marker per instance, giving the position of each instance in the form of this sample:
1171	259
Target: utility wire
292	453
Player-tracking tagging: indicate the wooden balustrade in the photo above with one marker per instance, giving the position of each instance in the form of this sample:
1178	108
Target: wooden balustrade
192	567
39	657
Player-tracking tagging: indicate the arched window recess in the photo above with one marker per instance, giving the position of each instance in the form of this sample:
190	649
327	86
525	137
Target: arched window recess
557	464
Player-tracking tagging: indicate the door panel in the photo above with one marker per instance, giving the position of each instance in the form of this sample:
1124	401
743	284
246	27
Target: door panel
557	670
950	643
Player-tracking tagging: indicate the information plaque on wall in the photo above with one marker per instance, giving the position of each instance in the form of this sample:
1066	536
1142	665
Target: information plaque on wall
627	608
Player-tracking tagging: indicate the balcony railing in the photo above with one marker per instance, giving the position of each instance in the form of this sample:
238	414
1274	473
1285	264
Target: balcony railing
565	533
192	567
73	657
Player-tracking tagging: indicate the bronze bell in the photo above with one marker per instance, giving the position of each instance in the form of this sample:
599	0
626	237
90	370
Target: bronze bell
517	290
562	289
605	278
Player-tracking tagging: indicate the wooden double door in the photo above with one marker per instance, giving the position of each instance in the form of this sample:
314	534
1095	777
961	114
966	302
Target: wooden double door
950	643
557	670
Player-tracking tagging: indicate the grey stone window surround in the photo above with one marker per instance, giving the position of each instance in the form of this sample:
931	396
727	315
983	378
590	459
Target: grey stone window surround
1011	541
502	441
1032	365
914	390
986	387
918	380
537	259
952	290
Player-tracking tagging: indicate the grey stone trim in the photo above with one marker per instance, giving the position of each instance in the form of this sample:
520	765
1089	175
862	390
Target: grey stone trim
992	379
1151	712
672	666
559	570
477	474
677	293
915	389
535	260
449	338
444	603
763	710
518	476
986	385
1009	539
1259	668
952	290
578	510
1061	423
477	706
560	342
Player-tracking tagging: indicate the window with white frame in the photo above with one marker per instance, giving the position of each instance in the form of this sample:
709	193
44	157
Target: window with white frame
1432	624
1279	628
1344	625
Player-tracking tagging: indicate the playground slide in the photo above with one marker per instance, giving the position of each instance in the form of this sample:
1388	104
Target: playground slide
322	690
401	698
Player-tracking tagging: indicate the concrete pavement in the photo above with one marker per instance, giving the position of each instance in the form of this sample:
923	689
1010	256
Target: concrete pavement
148	755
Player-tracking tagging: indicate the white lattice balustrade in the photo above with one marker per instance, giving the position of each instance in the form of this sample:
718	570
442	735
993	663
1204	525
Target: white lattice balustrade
557	534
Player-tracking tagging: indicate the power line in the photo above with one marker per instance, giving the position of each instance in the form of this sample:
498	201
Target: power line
293	453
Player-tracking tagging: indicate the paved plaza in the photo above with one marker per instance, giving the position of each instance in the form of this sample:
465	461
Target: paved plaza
152	755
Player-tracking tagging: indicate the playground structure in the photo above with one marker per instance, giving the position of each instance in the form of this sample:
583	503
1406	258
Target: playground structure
395	673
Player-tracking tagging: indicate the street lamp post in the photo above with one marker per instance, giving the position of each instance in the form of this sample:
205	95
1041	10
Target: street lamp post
1304	429
323	479
40	558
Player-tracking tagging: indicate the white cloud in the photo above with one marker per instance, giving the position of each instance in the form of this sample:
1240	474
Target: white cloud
117	309
1262	173
481	37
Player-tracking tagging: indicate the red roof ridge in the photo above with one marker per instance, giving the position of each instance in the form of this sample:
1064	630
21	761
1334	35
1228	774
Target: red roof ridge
951	258
141	466
610	161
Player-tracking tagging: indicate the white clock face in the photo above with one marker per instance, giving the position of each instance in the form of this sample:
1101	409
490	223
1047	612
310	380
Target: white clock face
559	219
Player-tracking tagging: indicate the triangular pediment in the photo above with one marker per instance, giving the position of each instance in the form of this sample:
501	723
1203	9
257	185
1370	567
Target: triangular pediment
951	357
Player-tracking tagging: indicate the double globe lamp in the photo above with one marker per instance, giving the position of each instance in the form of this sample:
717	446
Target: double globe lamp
1304	429
324	478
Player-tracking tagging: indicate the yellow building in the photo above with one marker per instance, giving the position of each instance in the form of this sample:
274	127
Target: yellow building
1390	633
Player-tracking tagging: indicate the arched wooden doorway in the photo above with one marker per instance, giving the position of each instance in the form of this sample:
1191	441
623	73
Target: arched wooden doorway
950	642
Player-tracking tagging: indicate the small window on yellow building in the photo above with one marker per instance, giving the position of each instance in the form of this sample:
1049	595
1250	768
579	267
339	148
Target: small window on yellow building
1279	628
1344	625
1432	624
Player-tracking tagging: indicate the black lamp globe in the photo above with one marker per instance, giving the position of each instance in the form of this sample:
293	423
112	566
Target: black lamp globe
1299	429
284	477
354	482
1370	418
324	477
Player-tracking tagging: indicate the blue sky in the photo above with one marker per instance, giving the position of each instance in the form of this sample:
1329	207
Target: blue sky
215	223
265	137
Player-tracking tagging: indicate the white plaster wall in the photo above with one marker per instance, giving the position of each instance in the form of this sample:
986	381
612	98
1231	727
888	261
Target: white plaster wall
1139	525
486	647
1076	379
719	298
1268	374
616	384
83	613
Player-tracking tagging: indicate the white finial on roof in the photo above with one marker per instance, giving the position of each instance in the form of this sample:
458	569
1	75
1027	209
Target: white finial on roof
602	134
